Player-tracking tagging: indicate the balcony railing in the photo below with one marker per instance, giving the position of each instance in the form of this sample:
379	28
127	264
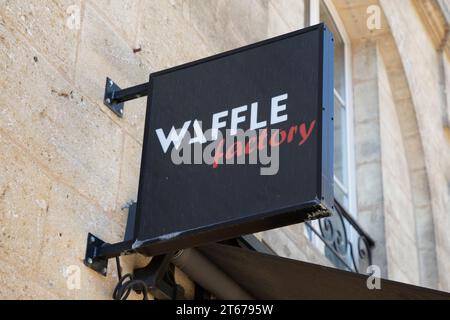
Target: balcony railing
342	241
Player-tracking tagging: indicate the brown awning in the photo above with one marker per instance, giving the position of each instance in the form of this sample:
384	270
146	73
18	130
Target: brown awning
270	277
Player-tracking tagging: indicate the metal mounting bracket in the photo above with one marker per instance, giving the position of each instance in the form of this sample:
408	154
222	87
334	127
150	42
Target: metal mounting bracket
110	89
91	260
115	97
99	252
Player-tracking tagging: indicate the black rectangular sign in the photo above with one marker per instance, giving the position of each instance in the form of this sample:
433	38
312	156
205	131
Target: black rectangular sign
285	83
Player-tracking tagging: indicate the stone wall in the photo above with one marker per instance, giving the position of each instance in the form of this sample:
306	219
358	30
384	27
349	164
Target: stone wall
421	64
404	125
400	224
68	165
368	162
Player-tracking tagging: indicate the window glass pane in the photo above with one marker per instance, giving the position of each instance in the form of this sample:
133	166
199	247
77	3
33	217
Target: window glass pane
341	196
340	143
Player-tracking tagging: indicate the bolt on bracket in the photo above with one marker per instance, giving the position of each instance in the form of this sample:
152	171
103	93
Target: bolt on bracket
115	97
91	260
99	252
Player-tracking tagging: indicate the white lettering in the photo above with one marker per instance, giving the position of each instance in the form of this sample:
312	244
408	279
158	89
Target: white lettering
235	119
221	120
254	125
199	135
175	136
277	108
216	124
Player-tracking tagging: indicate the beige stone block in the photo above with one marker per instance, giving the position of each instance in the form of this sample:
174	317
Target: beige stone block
402	259
365	63
443	256
389	51
167	38
369	185
388	114
129	180
133	121
398	274
354	17
227	24
19	286
425	227
373	222
292	245
367	142
248	18
292	12
371	219
400	217
56	124
313	254
24	201
394	160
44	24
395	168
365	99
279	242
103	53
413	145
396	179
426	246
130	171
428	268
420	188
407	117
396	191
399	85
69	220
212	21
123	15
276	25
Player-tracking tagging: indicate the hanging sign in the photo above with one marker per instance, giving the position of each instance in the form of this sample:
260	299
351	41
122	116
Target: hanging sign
238	143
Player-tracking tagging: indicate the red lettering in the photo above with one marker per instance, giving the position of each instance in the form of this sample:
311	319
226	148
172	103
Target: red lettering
292	132
219	154
304	133
277	134
278	138
232	151
248	148
262	138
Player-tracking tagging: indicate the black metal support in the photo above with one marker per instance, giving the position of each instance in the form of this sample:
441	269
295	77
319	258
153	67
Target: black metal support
115	97
91	259
99	252
159	278
129	231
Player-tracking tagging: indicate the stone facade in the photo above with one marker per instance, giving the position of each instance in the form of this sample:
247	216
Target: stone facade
69	165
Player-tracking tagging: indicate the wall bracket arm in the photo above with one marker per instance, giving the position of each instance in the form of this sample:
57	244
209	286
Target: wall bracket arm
99	252
115	97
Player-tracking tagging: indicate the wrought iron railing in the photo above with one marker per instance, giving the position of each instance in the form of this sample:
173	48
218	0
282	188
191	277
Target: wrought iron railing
342	241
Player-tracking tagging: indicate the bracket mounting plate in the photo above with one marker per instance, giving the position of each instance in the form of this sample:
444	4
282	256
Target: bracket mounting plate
110	90
99	265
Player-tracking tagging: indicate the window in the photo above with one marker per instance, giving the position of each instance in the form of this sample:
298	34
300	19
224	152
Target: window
324	11
336	238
